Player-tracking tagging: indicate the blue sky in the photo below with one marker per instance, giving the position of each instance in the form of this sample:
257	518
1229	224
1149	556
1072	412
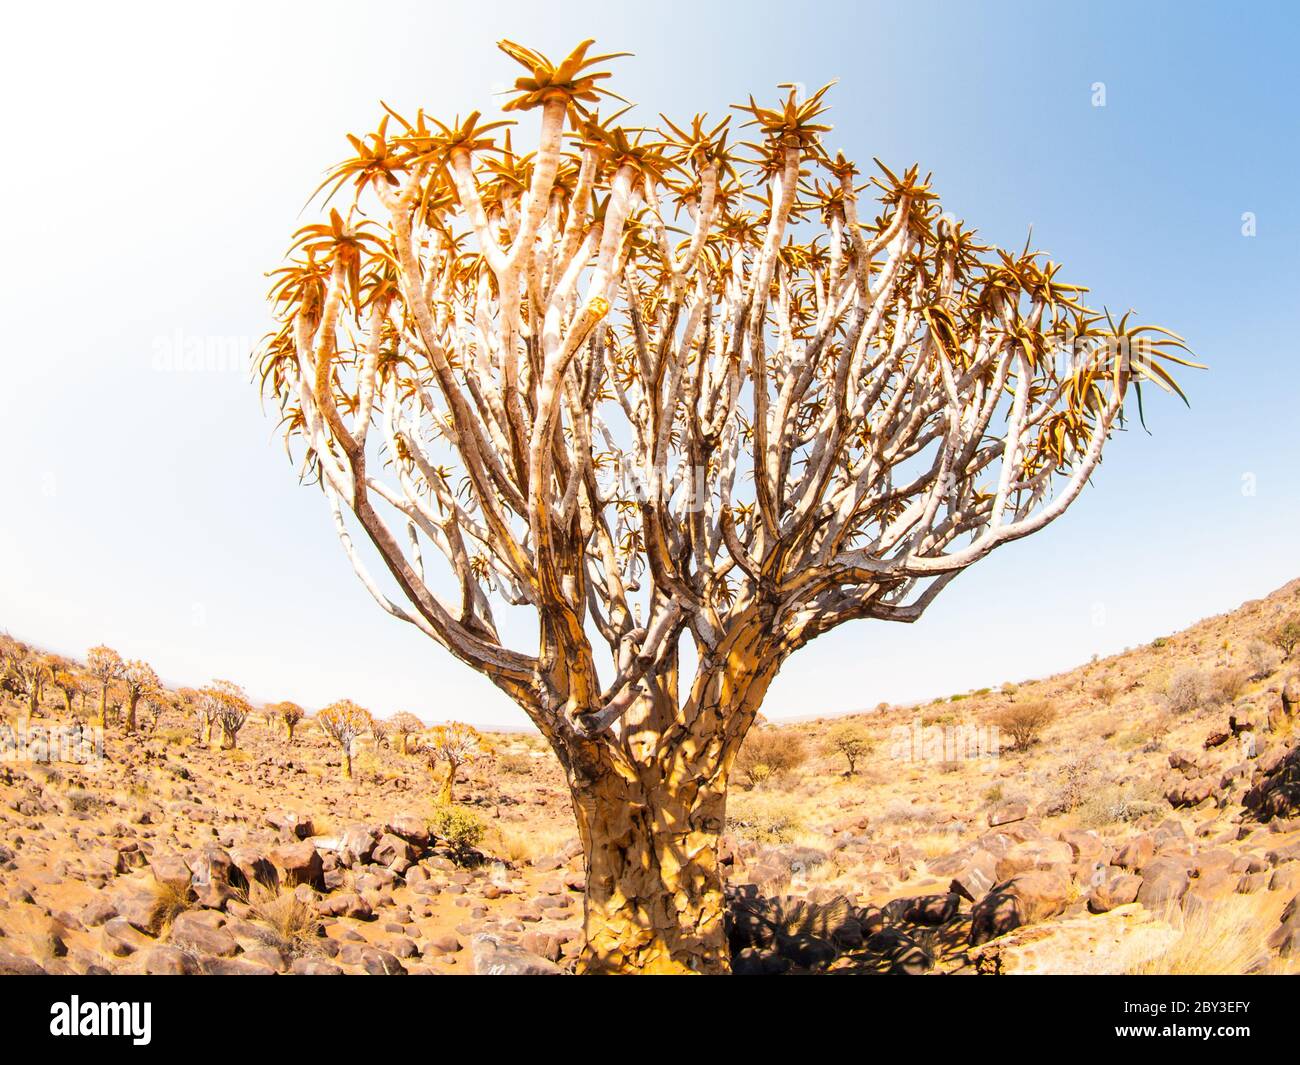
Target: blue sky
157	159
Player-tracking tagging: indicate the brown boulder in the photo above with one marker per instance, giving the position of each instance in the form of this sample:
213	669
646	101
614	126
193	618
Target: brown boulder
1117	889
170	870
1034	854
299	863
1007	813
393	852
1164	881
1136	853
1026	898
1286	938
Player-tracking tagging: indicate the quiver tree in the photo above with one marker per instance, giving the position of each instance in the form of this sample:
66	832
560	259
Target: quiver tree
138	679
224	705
156	701
106	666
31	672
232	710
67	683
690	406
451	746
189	701
343	722
288	714
404	725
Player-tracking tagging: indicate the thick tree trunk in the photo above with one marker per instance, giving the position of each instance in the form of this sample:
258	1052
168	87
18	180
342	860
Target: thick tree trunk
654	900
130	712
650	801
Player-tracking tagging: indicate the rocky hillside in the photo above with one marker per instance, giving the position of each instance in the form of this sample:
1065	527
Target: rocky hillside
1138	814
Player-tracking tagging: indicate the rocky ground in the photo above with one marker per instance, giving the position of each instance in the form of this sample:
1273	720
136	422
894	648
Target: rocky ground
1152	824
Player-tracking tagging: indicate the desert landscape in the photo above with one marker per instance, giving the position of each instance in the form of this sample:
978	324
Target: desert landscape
501	490
1138	814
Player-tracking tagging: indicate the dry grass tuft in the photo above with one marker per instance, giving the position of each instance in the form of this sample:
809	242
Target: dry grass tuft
526	843
284	921
169	902
1226	939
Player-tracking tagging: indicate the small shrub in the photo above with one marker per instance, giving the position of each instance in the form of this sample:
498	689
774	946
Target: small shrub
1111	804
1024	722
1262	659
1227	684
899	812
1077	782
519	765
460	829
778	750
1187	691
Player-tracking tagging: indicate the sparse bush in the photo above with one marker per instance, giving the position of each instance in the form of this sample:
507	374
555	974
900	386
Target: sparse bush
850	740
1111	804
1187	691
1024	722
1078	779
1227	684
769	752
1262	659
519	765
899	812
1104	690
